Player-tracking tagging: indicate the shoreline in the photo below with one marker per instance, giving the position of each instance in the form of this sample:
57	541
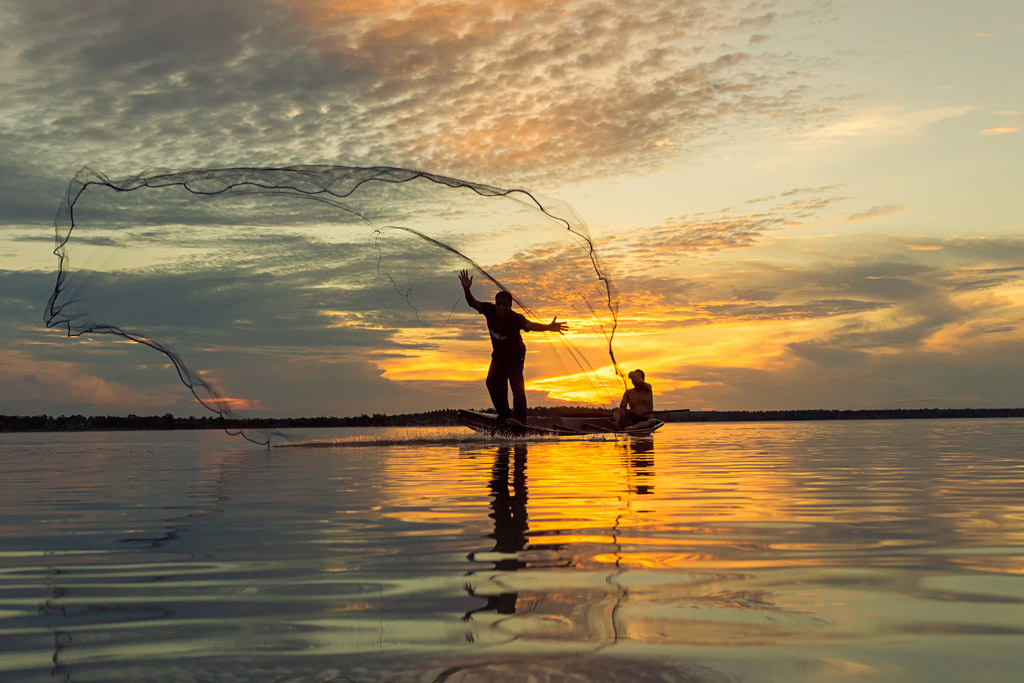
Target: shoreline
448	417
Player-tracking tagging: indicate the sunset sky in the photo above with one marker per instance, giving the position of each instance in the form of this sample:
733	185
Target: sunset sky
801	203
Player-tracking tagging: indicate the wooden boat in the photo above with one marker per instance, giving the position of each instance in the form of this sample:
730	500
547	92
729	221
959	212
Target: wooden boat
487	423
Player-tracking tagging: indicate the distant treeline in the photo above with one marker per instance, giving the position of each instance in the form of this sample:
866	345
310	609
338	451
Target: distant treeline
798	415
435	418
81	423
72	423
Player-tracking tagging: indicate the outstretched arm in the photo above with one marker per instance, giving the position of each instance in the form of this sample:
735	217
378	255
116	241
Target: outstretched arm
553	326
467	281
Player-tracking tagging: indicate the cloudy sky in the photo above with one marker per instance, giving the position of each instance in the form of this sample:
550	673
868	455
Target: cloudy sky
801	203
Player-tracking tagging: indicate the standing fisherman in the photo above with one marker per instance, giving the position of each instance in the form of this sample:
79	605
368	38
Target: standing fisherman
508	350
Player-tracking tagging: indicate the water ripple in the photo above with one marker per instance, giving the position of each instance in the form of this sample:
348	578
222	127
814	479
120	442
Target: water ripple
886	551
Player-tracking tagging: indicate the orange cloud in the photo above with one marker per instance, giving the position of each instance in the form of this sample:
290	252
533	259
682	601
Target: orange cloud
233	404
28	379
725	230
334	11
463	364
1005	130
521	87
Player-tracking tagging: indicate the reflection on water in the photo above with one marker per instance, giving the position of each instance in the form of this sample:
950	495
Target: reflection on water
874	551
510	527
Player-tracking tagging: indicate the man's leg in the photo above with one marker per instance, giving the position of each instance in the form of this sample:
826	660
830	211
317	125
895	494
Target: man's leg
497	387
518	386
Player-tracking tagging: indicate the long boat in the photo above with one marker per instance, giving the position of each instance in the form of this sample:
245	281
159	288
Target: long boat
487	423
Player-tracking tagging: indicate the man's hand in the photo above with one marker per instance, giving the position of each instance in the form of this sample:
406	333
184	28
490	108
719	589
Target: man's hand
466	279
556	326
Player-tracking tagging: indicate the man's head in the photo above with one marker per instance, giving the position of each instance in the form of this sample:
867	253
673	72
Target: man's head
637	377
503	300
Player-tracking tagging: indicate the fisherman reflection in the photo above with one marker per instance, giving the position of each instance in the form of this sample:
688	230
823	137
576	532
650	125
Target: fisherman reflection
642	450
510	524
638	457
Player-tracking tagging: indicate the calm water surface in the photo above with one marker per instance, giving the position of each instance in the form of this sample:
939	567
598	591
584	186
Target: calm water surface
840	551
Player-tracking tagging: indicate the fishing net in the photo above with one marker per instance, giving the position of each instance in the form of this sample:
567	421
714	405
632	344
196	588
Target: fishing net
314	290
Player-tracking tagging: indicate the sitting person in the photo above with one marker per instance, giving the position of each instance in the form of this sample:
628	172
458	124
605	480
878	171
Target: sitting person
636	411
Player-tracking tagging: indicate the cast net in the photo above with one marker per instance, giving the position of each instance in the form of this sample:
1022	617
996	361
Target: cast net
328	290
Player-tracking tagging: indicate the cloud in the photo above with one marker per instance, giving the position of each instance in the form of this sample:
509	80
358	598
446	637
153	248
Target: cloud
939	331
827	356
979	278
37	386
812	376
819	308
879	126
263	297
836	301
822	312
662	246
873	213
1004	130
271	349
538	92
29	194
696	234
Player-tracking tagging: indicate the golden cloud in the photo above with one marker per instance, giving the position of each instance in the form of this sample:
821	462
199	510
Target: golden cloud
1005	130
524	86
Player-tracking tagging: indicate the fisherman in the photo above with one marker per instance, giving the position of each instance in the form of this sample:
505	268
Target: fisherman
508	350
636	410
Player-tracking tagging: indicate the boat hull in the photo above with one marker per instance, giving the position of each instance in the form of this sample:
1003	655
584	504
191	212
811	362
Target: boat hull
487	423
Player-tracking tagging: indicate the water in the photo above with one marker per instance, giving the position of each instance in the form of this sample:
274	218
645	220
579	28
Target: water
840	551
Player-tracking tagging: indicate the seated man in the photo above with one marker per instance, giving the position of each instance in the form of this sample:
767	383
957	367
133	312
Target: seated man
636	411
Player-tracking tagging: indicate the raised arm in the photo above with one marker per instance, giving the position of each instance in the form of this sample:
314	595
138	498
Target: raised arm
467	281
553	326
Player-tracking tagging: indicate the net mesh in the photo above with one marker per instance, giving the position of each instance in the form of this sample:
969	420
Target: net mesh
265	278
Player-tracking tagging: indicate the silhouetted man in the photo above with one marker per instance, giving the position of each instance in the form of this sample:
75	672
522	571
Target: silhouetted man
636	410
508	352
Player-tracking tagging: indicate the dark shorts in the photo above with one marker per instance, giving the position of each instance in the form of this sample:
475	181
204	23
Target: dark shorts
506	372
